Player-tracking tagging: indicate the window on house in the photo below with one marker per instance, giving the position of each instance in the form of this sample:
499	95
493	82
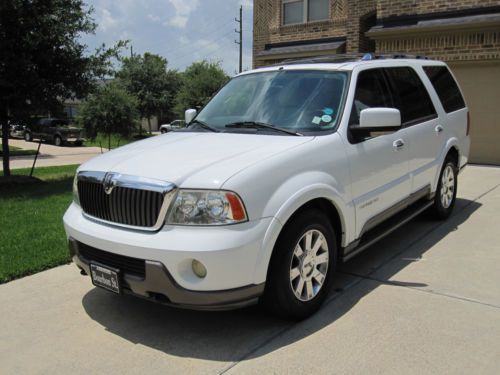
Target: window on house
302	11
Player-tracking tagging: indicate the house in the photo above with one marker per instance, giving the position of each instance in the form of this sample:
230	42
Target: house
465	34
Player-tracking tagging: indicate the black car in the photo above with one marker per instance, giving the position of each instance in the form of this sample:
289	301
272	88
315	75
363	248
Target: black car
57	131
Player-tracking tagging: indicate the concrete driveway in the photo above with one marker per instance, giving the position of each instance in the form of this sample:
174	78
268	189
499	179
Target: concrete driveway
426	300
51	155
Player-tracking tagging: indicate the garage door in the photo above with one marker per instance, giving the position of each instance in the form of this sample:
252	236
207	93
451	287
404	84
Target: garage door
480	83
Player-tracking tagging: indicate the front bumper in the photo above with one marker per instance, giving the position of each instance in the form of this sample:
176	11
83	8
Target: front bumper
159	286
236	259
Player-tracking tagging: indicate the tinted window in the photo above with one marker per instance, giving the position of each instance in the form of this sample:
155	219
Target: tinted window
446	88
371	91
410	96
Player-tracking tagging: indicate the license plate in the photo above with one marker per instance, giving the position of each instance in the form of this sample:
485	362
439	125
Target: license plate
105	277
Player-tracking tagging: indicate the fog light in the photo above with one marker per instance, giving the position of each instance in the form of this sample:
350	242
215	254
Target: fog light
199	269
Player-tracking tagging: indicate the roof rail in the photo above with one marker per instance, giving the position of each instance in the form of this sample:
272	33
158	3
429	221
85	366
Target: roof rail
343	58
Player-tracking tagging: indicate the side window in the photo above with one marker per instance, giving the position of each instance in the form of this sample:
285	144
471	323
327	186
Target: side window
371	91
446	88
410	96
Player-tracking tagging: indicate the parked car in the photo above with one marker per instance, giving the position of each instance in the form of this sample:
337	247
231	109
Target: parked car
174	125
57	131
288	171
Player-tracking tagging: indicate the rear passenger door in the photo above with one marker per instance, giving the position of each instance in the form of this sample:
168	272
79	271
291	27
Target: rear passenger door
379	162
423	131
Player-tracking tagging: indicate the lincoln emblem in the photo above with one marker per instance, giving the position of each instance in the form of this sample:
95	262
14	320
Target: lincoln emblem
109	182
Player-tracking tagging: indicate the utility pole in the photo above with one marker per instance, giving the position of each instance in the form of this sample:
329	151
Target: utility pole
240	21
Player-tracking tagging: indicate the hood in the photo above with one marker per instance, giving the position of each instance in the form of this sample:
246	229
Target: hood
192	160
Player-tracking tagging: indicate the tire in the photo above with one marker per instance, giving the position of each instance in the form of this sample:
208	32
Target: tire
28	137
163	131
78	143
58	141
289	269
446	191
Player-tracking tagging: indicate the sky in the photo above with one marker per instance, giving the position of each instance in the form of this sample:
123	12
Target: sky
182	31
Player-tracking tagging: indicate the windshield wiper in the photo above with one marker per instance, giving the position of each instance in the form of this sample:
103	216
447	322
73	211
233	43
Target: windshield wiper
260	125
203	125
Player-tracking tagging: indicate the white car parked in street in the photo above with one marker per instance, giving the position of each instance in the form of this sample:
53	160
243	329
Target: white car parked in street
288	171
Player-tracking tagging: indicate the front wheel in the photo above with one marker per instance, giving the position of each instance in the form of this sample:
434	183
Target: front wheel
28	137
446	192
302	266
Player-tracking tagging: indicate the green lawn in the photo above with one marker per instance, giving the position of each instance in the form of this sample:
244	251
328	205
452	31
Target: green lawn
16	151
31	231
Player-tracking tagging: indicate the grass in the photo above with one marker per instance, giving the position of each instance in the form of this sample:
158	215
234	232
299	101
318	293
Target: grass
116	140
16	151
32	236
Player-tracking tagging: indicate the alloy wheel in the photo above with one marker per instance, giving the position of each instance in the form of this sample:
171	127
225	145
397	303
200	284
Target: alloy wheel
309	265
447	192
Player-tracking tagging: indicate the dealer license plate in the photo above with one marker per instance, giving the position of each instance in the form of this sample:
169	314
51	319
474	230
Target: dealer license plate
105	277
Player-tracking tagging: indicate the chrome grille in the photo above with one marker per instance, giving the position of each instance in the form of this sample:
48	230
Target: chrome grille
124	200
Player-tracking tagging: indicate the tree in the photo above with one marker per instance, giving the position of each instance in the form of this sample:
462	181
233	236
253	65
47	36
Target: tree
111	110
199	82
148	79
42	61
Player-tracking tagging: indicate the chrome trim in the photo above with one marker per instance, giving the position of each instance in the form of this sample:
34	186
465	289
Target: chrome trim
168	189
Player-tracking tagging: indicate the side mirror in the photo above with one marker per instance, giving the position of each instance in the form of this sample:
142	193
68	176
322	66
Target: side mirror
380	119
189	115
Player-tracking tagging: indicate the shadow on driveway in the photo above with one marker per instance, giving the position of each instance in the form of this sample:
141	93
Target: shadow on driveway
236	335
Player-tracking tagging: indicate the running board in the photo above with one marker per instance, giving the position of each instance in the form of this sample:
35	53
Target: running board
390	225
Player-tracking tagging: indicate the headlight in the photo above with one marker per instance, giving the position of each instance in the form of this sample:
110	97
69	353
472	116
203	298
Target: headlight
205	207
76	199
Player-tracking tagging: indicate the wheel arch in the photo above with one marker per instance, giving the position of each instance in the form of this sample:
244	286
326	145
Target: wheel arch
332	207
452	149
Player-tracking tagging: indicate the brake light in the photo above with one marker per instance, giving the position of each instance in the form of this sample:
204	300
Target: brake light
468	123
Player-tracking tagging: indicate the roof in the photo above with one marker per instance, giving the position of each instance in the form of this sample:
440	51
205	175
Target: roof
483	20
348	62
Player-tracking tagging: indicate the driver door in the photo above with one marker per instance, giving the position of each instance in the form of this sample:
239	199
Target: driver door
379	163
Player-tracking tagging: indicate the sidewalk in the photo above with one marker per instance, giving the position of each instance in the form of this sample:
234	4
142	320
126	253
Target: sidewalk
51	155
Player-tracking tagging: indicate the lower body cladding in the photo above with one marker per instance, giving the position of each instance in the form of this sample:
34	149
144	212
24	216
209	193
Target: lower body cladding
159	265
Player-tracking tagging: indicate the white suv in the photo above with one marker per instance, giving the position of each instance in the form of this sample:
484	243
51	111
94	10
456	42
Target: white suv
286	172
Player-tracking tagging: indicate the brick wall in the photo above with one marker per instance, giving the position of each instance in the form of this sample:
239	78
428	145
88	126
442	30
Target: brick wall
360	15
458	46
268	26
352	18
386	8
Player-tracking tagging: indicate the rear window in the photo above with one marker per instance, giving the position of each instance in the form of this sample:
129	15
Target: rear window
446	88
410	96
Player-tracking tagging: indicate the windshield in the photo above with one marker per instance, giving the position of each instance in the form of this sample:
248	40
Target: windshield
299	100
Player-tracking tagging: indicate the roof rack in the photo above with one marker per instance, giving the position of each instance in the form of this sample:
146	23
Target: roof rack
343	58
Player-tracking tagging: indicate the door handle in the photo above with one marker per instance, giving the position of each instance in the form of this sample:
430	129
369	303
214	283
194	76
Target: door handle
438	129
398	144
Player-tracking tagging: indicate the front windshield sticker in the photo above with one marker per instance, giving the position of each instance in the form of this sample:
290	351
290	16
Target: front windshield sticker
326	118
316	120
328	111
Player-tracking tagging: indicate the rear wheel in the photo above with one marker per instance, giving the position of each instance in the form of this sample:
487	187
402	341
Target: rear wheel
446	192
302	266
58	141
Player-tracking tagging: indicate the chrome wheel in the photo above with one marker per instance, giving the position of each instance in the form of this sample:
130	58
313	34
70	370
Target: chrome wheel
309	265
447	192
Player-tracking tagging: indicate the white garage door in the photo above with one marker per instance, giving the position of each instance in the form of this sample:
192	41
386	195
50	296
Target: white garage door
480	83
